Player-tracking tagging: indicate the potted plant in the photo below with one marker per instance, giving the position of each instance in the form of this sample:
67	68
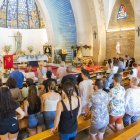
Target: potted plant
7	48
30	48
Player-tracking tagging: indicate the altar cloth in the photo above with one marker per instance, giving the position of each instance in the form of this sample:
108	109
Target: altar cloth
40	58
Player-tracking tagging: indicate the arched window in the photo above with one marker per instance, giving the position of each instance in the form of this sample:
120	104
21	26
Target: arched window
20	14
122	13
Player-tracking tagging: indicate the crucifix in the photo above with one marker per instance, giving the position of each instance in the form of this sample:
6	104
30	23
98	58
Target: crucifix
95	34
138	31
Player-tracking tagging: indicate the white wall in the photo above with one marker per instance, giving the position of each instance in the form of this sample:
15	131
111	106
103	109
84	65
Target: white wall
35	37
83	24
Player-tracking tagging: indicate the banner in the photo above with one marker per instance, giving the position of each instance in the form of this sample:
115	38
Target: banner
8	63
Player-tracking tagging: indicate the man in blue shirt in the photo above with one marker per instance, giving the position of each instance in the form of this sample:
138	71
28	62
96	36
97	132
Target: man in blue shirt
19	77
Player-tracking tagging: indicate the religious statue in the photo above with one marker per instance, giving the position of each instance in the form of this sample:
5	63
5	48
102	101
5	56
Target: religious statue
118	48
19	40
79	53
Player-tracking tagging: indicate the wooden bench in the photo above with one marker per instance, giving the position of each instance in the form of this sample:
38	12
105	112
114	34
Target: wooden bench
128	133
82	125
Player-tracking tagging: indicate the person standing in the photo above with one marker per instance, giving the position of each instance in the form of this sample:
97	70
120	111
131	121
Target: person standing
138	69
18	76
49	103
116	104
98	102
79	78
9	126
33	106
61	71
109	65
132	102
120	67
30	74
69	75
85	89
67	112
16	94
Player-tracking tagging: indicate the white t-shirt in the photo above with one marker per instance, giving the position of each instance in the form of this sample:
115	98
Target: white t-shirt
135	73
132	102
30	75
109	69
61	71
115	69
45	77
86	89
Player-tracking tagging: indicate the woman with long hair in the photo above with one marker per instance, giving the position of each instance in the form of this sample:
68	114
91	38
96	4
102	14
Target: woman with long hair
9	126
33	106
49	103
109	66
68	110
75	92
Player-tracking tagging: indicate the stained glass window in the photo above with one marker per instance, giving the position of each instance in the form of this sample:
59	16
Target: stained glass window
41	22
12	14
33	14
122	13
3	14
21	14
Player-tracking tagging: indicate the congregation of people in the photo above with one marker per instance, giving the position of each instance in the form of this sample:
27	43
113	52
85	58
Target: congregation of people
104	100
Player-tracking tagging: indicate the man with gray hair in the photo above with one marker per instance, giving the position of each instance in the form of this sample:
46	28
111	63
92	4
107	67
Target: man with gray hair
18	76
45	75
61	71
69	75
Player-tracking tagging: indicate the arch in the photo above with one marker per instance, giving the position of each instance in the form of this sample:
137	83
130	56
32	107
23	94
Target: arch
48	24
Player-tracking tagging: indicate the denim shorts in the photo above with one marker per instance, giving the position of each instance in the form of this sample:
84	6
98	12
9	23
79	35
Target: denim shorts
68	136
35	120
49	117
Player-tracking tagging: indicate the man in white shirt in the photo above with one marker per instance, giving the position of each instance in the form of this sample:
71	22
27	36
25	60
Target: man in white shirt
61	71
85	89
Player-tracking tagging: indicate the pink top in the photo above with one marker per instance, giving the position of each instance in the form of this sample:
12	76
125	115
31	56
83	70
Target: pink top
61	71
138	68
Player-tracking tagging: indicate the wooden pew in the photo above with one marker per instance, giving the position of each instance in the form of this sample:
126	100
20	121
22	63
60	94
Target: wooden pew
82	125
128	133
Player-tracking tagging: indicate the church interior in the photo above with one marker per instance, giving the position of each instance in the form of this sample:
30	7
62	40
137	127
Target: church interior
54	49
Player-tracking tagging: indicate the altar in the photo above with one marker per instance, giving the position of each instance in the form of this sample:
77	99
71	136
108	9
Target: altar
32	58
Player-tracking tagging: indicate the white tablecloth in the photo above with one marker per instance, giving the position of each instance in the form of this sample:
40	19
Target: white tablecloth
40	58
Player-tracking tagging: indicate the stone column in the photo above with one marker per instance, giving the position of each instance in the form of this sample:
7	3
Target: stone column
137	23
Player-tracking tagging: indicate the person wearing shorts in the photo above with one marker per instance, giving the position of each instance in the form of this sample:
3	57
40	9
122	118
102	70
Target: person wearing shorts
33	106
9	126
116	104
98	102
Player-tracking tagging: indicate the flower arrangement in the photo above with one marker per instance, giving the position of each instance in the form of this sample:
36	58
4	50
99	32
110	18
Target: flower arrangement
76	47
81	47
83	61
7	48
33	56
30	48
